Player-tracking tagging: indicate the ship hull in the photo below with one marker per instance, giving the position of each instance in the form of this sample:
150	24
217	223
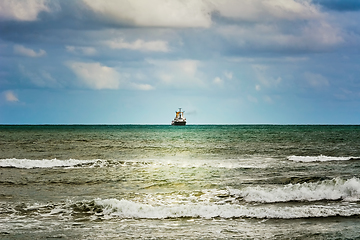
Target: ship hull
178	123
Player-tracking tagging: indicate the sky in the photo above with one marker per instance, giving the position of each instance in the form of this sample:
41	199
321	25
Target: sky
138	61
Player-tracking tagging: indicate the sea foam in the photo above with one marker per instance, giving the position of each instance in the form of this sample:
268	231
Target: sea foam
335	189
129	209
320	158
45	163
155	163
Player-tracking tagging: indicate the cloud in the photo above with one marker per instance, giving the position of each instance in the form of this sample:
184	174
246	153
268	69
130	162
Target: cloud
143	87
228	75
140	45
81	50
277	26
198	13
153	13
316	80
265	10
321	34
10	97
186	66
28	52
218	81
40	78
22	10
95	75
339	5
179	73
263	76
312	36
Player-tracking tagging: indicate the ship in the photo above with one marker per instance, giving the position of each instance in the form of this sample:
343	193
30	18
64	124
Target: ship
179	118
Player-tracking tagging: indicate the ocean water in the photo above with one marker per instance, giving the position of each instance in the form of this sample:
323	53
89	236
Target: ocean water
179	182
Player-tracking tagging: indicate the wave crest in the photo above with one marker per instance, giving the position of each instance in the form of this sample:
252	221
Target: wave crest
128	209
45	163
335	189
320	158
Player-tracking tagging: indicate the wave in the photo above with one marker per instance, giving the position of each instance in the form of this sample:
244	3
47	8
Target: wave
127	209
320	158
182	163
46	163
335	189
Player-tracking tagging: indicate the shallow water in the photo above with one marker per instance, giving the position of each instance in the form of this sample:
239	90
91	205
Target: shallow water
171	182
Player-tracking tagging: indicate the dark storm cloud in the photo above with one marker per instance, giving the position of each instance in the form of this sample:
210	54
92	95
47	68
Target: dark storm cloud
340	5
66	15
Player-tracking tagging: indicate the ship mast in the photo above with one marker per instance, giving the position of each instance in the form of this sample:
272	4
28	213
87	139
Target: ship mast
180	113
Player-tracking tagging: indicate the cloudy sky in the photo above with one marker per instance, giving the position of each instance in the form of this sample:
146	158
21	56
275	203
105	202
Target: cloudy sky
138	61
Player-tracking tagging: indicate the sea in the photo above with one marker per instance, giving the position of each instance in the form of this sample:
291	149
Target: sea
179	182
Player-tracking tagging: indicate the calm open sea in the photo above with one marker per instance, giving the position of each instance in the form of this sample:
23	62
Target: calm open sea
179	182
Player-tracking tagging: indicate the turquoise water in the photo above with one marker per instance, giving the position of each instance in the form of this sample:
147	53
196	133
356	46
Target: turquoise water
173	182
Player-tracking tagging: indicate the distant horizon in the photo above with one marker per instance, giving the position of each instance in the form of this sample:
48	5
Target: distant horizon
160	124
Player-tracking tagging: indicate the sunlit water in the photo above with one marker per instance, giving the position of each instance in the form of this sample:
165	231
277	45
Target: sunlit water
180	182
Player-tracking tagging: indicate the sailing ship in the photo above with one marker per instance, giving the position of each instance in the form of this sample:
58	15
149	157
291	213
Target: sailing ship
179	118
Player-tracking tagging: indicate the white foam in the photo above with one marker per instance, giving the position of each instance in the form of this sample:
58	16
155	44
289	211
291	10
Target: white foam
320	158
335	189
128	209
155	163
45	163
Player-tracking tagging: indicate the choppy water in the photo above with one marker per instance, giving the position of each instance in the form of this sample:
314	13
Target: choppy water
180	182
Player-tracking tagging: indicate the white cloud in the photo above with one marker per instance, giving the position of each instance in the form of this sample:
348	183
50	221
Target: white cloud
22	10
28	52
189	67
197	13
95	75
218	81
143	87
179	74
140	45
153	13
81	50
10	96
316	80
265	10
186	67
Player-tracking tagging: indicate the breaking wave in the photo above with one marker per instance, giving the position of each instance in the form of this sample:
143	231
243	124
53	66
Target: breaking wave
335	189
320	158
45	163
126	209
182	163
129	209
250	202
